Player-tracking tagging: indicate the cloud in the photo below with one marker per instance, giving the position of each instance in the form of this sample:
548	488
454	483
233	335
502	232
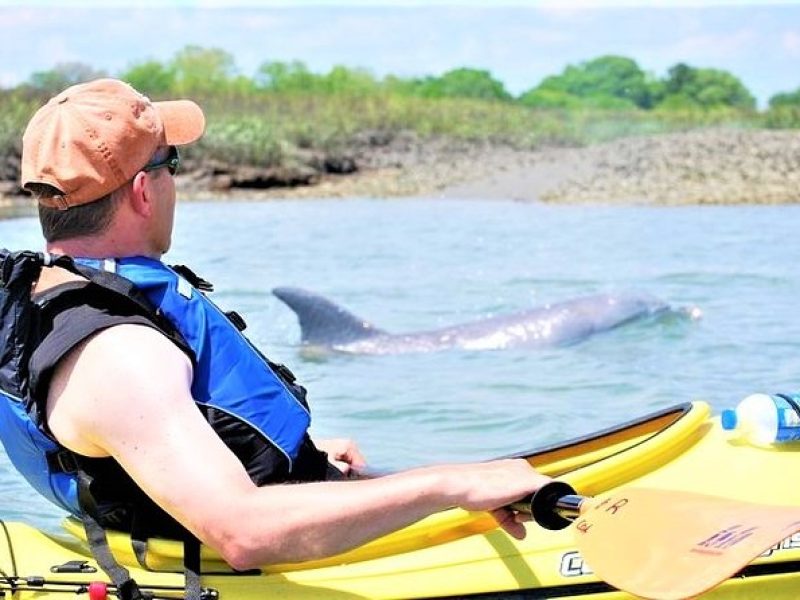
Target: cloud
19	19
715	46
791	43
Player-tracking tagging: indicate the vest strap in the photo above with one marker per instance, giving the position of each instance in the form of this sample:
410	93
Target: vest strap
191	569
127	588
191	558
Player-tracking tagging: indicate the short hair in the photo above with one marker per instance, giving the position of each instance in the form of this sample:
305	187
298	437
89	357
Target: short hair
76	221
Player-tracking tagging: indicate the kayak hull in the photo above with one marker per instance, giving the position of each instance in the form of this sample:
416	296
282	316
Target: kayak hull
461	554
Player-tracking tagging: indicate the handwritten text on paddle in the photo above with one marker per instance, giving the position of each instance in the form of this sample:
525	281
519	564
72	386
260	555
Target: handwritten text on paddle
610	506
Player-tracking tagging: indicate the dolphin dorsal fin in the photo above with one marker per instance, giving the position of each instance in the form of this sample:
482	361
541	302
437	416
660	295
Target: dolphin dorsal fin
321	321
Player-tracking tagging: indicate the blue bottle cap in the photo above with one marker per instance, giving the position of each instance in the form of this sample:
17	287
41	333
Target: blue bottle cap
729	419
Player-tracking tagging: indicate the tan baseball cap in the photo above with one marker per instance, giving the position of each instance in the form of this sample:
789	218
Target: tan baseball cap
94	137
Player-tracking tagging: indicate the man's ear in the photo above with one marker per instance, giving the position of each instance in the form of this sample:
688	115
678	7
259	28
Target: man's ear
141	195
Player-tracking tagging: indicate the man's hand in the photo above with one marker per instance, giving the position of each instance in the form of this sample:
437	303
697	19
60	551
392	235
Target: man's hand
494	485
343	454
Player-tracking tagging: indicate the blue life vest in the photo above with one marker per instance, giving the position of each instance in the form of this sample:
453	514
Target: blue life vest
28	448
230	376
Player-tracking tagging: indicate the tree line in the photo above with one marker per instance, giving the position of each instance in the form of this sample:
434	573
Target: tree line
606	82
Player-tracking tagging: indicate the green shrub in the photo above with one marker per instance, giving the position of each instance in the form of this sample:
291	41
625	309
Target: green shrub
286	110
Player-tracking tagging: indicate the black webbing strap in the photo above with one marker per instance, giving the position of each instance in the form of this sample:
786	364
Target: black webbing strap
191	556
139	535
116	283
127	588
191	568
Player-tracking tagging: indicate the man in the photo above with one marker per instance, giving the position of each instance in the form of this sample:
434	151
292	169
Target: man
121	385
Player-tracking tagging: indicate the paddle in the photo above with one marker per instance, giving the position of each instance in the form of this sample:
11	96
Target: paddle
663	544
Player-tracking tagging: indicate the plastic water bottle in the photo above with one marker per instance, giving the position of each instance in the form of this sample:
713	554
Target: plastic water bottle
765	419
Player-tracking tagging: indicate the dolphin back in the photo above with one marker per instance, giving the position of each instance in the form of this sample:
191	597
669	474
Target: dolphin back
326	324
322	322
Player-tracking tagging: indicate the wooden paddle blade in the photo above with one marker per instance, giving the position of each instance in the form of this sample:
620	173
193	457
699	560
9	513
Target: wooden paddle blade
667	545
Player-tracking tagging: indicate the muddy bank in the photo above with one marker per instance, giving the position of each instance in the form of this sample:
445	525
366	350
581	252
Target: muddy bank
708	167
719	166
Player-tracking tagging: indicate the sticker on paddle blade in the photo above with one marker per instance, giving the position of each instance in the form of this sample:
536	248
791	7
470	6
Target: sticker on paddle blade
668	545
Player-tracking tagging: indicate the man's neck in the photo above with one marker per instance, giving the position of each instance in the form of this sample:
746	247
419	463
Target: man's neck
98	248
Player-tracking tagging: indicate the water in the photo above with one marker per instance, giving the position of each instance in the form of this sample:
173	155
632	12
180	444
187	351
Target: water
419	264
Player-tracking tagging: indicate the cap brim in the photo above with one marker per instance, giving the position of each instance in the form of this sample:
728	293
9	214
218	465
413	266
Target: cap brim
183	120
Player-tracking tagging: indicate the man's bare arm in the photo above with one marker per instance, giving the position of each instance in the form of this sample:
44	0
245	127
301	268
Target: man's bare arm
126	393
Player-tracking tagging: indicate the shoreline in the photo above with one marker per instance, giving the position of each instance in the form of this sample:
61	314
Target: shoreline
713	166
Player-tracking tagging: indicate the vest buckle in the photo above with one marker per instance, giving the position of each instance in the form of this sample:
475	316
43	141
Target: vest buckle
62	461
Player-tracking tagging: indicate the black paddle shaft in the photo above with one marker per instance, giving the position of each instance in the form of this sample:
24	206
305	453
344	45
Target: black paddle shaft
553	506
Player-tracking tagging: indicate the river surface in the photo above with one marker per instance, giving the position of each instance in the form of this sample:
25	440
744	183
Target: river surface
419	264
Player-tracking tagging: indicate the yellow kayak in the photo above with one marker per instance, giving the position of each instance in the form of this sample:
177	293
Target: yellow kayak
460	554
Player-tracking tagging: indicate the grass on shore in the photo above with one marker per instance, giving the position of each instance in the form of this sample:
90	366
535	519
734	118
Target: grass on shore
270	129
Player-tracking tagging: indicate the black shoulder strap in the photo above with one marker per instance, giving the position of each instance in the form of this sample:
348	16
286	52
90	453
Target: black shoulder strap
123	287
117	289
32	262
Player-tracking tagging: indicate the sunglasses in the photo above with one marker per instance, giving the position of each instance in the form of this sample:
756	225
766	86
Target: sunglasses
172	162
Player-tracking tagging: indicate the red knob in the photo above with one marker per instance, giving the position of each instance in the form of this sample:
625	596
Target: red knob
98	591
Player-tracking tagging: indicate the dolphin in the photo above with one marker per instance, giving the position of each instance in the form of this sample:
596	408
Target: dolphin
324	324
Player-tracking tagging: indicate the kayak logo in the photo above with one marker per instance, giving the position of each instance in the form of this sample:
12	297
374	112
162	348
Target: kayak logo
790	543
573	565
724	539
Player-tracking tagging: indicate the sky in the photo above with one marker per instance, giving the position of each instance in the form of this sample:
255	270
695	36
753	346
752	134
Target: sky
520	42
